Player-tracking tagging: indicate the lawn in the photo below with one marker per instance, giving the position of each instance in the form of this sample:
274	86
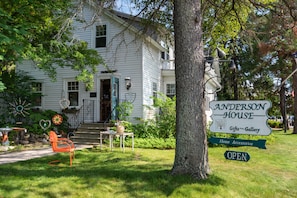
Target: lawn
269	173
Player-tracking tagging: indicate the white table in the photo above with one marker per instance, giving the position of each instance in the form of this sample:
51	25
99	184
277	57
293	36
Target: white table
110	135
122	136
122	140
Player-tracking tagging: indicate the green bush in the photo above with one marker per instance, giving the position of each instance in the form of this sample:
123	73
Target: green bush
274	124
32	122
146	129
163	126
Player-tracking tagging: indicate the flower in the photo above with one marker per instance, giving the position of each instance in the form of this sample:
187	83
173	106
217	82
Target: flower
57	119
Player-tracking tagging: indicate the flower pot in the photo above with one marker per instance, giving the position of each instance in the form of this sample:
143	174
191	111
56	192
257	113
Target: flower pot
120	129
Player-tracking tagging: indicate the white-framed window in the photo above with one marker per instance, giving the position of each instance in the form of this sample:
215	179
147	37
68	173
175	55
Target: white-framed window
170	90
100	36
154	90
73	92
165	55
165	59
37	94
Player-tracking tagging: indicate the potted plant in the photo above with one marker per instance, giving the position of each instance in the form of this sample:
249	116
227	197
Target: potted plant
120	127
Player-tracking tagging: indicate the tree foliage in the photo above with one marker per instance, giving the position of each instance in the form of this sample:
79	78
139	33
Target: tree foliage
30	30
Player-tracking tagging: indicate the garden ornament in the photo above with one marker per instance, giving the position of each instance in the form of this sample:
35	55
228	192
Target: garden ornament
45	124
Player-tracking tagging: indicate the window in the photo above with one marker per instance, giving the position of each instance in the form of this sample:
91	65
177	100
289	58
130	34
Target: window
72	88
100	36
154	90
170	90
37	94
165	55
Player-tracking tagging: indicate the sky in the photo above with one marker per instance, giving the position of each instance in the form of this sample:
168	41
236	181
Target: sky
125	6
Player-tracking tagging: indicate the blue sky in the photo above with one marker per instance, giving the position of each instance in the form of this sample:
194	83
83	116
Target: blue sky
125	6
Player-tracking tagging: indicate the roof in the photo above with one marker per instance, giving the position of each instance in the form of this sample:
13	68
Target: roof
141	25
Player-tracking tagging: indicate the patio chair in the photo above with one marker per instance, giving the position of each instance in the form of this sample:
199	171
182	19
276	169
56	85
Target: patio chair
61	145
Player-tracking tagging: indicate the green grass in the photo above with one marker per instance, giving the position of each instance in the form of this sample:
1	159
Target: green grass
146	173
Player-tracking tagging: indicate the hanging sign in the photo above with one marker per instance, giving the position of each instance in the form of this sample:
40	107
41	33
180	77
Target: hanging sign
238	142
238	156
240	117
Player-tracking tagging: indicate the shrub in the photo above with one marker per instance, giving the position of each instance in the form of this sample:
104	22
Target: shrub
146	129
32	122
274	124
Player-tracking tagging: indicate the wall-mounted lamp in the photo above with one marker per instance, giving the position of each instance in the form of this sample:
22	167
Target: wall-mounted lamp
220	57
209	61
221	54
128	83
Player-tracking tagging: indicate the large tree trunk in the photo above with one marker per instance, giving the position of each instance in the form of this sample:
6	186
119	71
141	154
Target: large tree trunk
283	105
295	97
191	155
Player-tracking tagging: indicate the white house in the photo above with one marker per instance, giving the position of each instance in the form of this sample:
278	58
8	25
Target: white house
138	67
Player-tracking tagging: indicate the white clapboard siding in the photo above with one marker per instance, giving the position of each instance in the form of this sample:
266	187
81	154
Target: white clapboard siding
128	53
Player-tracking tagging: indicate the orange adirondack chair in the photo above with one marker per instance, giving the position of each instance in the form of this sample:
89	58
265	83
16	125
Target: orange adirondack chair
62	145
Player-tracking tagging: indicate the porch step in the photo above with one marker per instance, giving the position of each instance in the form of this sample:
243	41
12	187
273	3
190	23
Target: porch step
89	133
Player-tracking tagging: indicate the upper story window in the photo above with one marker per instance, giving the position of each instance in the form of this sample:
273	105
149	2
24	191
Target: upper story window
165	60
100	36
37	94
165	55
170	90
73	92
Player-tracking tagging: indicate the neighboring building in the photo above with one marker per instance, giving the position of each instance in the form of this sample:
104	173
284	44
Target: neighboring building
138	68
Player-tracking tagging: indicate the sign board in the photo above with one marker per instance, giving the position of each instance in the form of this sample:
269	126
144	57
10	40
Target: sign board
238	156
238	142
240	117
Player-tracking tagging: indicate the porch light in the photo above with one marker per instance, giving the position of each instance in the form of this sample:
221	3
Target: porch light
128	83
220	57
221	54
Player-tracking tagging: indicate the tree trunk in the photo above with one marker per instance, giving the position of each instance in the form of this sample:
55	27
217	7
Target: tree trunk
191	154
283	109
295	97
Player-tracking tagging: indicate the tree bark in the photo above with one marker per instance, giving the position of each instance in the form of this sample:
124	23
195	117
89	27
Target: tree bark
283	106
191	154
294	62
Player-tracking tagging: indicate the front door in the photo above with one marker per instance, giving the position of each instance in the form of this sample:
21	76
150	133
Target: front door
109	99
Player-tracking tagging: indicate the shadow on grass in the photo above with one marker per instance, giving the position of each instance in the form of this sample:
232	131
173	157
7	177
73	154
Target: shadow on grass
288	133
138	174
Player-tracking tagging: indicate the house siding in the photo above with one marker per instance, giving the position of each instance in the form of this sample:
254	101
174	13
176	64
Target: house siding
151	74
123	54
127	53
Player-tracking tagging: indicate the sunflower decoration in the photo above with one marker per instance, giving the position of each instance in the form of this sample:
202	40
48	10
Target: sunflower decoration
57	119
19	107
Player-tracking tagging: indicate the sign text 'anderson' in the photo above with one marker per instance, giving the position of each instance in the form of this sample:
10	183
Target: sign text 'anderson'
240	117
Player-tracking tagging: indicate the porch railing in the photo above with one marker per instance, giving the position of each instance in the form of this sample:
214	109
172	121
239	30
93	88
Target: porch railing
86	113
